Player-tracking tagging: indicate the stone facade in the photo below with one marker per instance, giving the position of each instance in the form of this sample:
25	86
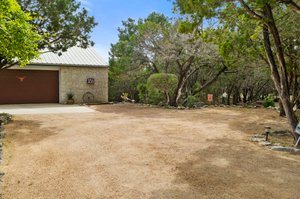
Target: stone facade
74	80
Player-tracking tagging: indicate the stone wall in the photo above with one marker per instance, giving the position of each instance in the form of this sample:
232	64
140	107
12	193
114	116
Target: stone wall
74	80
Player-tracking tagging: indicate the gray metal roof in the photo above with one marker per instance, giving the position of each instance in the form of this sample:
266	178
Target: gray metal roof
75	56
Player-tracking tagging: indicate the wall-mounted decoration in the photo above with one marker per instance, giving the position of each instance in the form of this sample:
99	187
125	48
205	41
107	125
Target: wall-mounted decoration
90	81
21	78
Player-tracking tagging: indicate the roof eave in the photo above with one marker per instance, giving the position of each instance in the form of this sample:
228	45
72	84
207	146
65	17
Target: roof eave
72	65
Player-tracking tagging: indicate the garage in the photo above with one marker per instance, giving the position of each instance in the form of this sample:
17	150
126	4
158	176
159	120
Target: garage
29	86
52	78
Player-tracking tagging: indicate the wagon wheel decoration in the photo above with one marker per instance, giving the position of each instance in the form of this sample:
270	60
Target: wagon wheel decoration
88	98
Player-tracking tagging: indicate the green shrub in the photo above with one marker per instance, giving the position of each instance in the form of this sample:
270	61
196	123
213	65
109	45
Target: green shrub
142	92
192	101
149	95
269	101
5	118
155	96
158	84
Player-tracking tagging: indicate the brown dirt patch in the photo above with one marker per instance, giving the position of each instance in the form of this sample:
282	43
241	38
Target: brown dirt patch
131	151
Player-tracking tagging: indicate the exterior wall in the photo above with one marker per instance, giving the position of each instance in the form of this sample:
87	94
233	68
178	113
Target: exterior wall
74	80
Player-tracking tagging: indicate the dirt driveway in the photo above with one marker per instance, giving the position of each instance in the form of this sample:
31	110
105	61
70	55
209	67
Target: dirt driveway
129	151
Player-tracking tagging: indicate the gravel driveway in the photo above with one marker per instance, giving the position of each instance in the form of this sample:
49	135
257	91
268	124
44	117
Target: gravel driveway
130	151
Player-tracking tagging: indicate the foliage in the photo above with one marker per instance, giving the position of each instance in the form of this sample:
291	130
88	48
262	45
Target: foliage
5	118
142	92
192	101
156	97
269	102
70	96
61	23
127	66
163	82
154	45
18	39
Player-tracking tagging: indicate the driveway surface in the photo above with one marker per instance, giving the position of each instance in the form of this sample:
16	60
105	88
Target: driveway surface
25	109
129	151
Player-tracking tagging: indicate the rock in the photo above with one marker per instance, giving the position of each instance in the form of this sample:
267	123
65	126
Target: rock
256	139
259	136
286	149
281	148
264	143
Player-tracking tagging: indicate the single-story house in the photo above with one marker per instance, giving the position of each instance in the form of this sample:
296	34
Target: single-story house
51	78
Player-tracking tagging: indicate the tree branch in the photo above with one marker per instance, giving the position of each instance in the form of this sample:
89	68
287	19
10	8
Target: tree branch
292	5
208	83
249	10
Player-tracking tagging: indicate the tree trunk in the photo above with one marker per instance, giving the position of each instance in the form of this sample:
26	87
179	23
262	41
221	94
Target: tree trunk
295	90
228	97
281	109
177	93
167	97
235	97
279	76
245	94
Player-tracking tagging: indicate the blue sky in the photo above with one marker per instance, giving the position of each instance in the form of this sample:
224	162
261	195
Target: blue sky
110	13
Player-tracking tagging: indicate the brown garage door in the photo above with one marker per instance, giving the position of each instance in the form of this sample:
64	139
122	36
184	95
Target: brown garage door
28	86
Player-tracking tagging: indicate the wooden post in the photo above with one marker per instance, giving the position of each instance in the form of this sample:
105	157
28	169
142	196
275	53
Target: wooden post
267	131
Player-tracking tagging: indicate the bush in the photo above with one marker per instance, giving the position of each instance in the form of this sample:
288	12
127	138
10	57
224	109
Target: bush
149	95
5	118
191	101
142	92
155	96
158	84
269	101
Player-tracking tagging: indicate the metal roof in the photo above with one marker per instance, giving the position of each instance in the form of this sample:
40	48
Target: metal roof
75	56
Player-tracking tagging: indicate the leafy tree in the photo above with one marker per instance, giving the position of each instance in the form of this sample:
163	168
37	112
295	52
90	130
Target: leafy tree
262	14
128	67
18	40
62	23
289	31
